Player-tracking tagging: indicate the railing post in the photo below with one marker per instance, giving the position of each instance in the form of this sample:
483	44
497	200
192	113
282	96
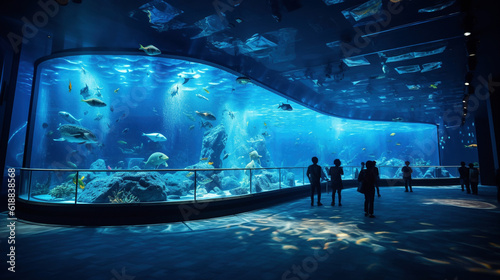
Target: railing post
250	187
303	176
29	184
195	186
279	177
76	187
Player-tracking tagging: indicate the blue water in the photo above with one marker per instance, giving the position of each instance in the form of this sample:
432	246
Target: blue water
152	95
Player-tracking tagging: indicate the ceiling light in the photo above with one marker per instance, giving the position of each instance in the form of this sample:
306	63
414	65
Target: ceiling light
467	33
472	54
466	83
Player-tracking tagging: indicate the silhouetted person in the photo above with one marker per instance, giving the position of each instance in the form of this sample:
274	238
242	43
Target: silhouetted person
315	173
464	176
407	175
367	177
473	178
378	177
336	173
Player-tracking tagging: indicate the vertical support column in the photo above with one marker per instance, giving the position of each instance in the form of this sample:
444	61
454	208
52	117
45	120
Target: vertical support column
195	186
76	187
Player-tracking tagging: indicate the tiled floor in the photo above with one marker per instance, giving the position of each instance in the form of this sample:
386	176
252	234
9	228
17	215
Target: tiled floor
432	233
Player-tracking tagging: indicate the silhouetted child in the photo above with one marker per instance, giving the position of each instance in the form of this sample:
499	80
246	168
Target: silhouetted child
336	173
407	175
315	173
464	176
473	178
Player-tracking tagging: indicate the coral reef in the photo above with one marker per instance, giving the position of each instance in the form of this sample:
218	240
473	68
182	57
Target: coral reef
41	188
214	142
146	186
123	197
64	191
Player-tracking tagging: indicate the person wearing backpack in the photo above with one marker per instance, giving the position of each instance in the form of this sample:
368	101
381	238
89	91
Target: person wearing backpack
407	175
315	174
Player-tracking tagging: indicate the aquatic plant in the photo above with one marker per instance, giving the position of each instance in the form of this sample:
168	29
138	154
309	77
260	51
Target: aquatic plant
63	191
123	197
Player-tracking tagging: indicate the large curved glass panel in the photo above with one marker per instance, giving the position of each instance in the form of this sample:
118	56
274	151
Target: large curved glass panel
142	112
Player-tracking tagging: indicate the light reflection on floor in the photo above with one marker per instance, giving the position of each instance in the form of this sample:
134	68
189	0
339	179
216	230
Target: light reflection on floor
462	203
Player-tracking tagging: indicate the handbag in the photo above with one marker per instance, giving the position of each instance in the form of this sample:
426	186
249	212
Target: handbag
360	188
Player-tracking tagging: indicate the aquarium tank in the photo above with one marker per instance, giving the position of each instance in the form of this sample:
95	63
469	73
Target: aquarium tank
137	112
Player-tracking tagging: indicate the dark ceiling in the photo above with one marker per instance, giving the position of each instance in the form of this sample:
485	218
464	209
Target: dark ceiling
403	61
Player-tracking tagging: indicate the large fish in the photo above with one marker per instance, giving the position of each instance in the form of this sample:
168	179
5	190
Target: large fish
286	107
155	137
68	117
76	134
94	102
150	50
206	115
156	159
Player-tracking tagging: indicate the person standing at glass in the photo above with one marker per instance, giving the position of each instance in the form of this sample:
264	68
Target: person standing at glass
473	177
315	174
336	173
407	175
367	177
375	168
464	176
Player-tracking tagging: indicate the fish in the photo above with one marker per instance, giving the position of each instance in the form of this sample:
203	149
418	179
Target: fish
69	118
157	159
206	125
84	92
243	80
266	134
175	92
185	81
125	130
206	115
85	113
398	144
109	167
83	71
189	116
155	137
433	86
397	119
76	134
121	142
80	182
45	125
211	162
202	97
191	127
70	87
364	149
150	50
285	107
265	124
116	90
112	109
231	114
225	156
471	146
189	174
98	117
94	102
70	164
204	158
206	90
392	134
254	155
